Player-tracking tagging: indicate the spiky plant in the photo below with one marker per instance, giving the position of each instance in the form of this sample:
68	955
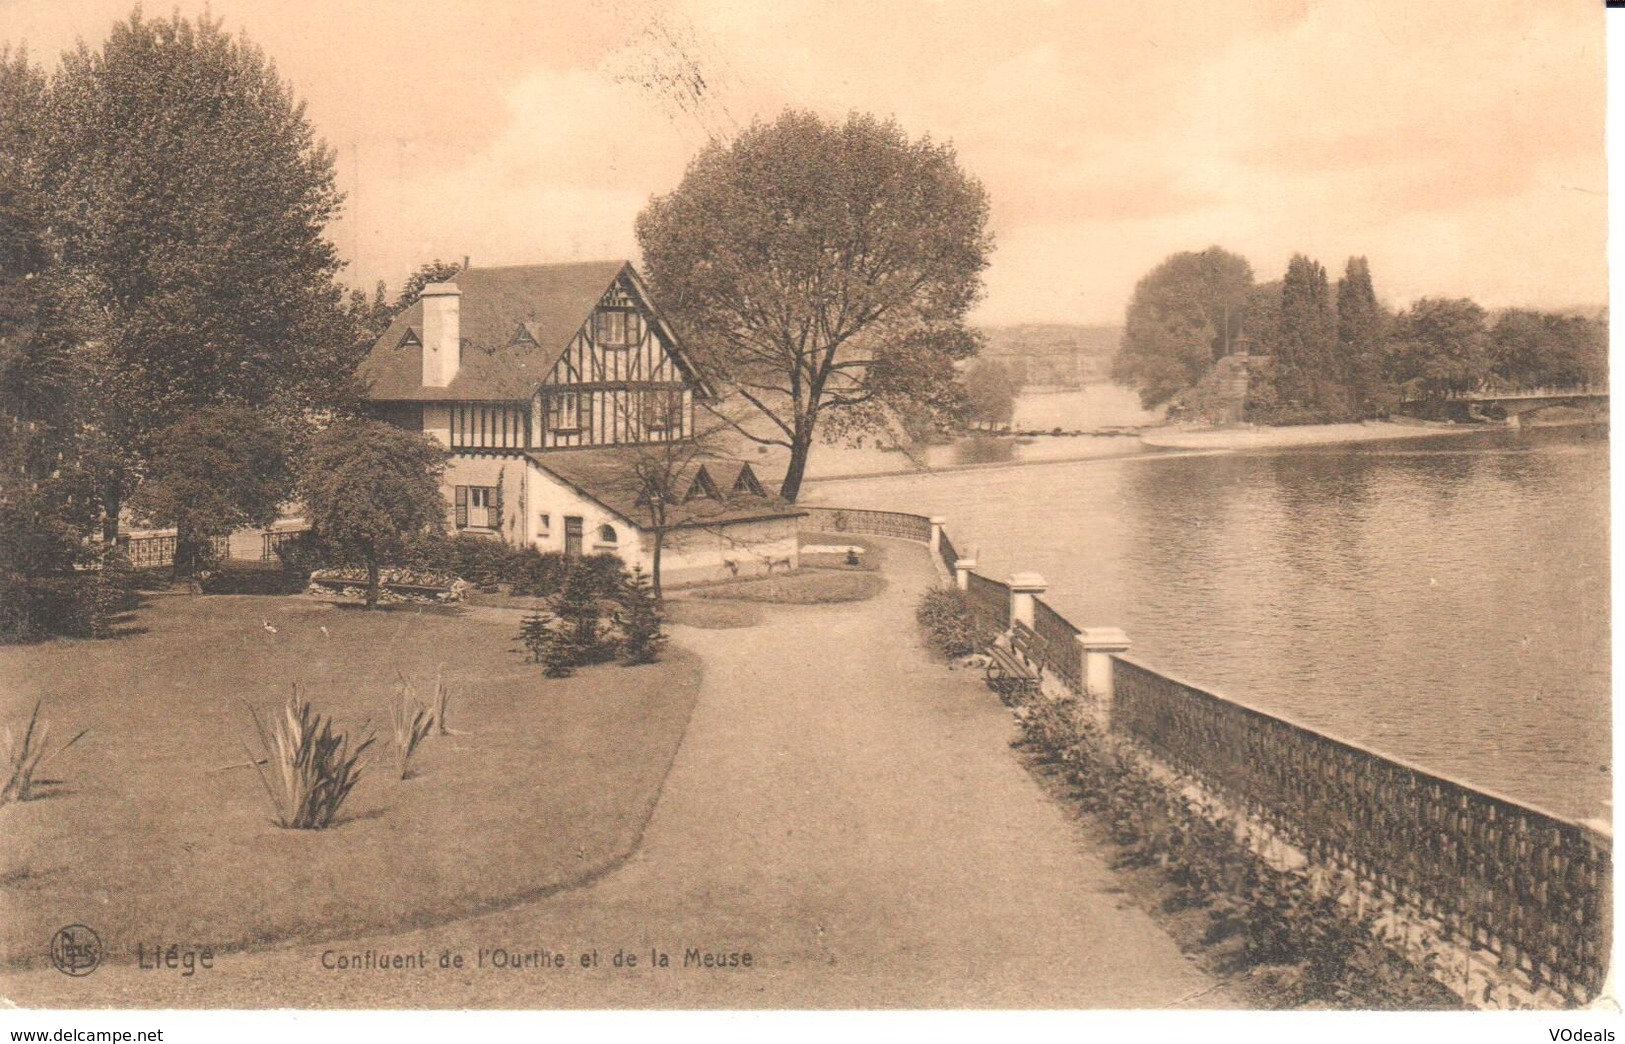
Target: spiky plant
26	753
309	769
442	700
412	722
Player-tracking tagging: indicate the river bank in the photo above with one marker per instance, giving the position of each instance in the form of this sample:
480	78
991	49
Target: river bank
1259	437
978	453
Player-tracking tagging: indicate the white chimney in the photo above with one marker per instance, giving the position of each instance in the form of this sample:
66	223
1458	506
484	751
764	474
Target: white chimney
442	334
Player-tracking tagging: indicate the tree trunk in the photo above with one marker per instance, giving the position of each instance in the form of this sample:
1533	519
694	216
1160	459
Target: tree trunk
372	580
112	498
800	446
188	549
660	543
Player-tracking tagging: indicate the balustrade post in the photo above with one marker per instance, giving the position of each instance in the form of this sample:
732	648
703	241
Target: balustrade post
962	571
1099	644
937	522
1024	587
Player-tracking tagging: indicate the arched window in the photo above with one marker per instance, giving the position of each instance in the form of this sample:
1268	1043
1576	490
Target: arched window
606	534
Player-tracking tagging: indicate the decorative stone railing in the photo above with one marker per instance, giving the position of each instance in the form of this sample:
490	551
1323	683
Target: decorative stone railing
1498	877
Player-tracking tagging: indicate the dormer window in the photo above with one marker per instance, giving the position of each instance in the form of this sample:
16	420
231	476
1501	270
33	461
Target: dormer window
702	486
617	328
522	336
747	483
409	339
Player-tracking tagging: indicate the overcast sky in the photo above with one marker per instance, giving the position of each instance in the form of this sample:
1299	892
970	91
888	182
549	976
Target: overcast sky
1459	145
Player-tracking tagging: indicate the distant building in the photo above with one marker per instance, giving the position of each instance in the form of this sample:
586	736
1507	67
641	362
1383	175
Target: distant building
567	403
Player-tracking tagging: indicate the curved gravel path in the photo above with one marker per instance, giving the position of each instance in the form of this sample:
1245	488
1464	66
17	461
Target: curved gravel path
843	809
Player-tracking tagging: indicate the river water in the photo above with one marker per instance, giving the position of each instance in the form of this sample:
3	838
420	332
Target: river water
1442	599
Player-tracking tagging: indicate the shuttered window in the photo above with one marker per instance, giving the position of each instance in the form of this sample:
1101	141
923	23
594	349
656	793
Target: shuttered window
478	507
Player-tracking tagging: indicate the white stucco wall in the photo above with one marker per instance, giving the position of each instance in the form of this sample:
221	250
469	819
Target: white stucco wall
690	555
548	496
483	471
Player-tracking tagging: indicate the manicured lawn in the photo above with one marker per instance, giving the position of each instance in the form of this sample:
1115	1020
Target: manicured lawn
807	587
160	831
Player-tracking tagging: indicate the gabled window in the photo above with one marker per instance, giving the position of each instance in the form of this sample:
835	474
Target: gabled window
617	328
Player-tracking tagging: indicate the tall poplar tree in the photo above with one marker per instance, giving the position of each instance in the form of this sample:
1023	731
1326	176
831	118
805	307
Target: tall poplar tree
190	197
1362	324
1308	371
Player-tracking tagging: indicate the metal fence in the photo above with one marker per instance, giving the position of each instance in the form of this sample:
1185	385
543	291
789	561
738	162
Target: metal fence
870	523
990	600
271	540
149	550
152	550
1059	652
1530	887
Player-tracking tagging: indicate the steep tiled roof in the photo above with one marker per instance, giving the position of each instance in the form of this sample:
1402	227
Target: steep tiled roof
550	301
607	476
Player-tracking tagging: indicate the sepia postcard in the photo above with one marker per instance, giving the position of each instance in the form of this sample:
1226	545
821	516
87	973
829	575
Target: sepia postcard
595	510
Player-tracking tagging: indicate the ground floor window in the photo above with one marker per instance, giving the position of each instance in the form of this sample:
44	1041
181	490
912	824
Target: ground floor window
479	507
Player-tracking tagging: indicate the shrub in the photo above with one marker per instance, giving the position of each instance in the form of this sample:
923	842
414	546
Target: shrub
304	553
309	769
251	578
112	592
549	644
639	619
26	752
580	607
949	621
533	633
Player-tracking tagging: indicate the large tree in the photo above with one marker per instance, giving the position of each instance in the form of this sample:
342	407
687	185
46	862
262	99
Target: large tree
1186	313
821	268
190	196
45	512
1529	349
1438	346
1362	327
217	471
1310	377
368	485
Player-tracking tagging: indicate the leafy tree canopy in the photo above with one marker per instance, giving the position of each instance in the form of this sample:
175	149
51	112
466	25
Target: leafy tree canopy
368	485
190	196
1185	313
809	259
219	470
1439	345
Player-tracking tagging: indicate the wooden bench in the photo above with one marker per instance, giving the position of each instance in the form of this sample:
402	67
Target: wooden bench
1015	671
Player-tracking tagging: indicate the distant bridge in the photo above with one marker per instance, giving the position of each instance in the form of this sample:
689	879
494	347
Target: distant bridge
1511	403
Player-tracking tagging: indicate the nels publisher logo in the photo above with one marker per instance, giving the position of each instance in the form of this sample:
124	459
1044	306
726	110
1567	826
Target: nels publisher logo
76	950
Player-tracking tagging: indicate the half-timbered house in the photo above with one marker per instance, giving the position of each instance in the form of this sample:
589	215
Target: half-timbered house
560	392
